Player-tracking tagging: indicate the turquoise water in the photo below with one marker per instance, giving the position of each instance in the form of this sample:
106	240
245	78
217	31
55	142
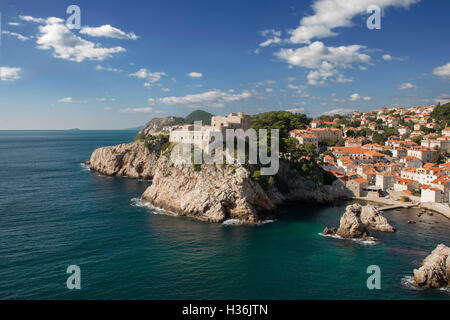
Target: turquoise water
55	213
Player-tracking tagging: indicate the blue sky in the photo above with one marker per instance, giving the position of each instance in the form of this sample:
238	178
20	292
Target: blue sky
135	60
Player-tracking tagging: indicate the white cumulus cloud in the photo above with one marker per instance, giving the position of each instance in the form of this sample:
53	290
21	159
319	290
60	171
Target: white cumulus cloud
406	86
357	97
32	19
214	98
101	68
331	14
9	74
55	35
66	100
108	31
324	61
17	35
150	77
442	71
195	74
272	37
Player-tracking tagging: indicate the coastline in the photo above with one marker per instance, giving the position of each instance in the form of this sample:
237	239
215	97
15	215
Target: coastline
441	209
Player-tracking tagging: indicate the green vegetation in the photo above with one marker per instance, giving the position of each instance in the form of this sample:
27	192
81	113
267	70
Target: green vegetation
380	138
442	114
264	181
284	121
199	115
140	136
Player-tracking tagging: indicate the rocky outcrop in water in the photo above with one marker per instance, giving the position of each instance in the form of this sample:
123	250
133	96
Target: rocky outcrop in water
351	225
135	160
373	219
357	219
435	269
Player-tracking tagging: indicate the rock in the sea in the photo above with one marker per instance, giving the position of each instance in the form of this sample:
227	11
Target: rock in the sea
372	218
329	230
351	225
435	269
134	160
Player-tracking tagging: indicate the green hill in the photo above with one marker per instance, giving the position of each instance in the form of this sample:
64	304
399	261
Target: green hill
199	115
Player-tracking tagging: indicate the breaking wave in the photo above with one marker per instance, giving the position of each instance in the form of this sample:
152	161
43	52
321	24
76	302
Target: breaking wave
84	167
360	241
408	283
138	203
232	222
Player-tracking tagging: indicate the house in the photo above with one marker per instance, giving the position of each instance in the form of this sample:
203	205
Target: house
384	180
305	139
442	143
356	186
316	124
443	184
404	131
401	184
446	132
327	134
423	153
429	194
412	162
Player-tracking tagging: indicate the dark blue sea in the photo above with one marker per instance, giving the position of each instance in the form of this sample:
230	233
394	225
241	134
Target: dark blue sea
54	213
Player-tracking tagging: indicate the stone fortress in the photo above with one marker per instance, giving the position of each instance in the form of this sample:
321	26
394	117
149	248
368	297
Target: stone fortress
203	136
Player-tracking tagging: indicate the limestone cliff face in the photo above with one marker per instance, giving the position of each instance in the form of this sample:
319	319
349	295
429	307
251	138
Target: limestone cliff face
435	269
211	192
214	193
134	160
219	192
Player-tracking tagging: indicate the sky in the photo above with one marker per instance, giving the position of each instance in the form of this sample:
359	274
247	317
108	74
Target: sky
131	61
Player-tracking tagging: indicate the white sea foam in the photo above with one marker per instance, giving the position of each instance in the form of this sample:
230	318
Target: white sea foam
408	282
360	241
268	220
85	167
139	203
233	222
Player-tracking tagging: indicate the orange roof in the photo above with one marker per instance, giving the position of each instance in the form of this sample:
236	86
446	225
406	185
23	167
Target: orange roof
360	180
412	158
442	180
429	165
404	181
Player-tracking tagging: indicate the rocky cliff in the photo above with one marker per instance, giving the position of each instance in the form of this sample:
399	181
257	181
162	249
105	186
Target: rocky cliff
214	193
207	192
135	160
435	269
219	192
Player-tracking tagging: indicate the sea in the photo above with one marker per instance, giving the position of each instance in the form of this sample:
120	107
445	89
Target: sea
56	213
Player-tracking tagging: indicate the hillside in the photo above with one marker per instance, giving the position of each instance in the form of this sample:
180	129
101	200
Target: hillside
199	115
156	125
